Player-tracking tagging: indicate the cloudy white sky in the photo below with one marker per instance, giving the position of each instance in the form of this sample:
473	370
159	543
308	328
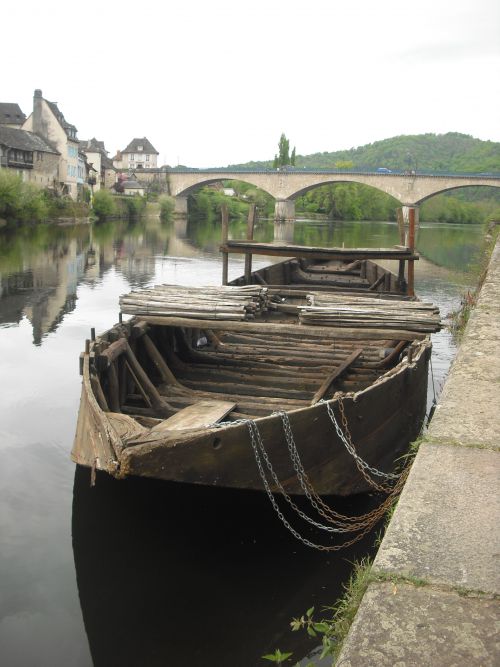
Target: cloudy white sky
212	83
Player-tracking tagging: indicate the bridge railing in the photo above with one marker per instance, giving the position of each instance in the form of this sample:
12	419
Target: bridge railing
325	171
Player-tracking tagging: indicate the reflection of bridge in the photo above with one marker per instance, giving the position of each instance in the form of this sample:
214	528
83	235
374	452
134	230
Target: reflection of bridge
285	186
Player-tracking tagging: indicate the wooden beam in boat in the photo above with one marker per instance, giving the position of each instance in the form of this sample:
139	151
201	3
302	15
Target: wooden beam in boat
160	363
303	330
258	248
114	388
106	357
144	383
378	282
98	393
335	374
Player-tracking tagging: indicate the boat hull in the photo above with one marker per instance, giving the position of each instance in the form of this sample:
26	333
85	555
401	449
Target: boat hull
382	419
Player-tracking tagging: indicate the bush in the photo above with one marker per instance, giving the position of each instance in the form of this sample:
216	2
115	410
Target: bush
130	206
19	201
167	207
104	204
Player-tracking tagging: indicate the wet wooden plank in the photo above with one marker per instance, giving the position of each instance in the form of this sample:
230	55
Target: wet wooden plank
199	415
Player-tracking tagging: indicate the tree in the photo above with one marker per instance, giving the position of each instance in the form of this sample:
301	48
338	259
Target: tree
283	159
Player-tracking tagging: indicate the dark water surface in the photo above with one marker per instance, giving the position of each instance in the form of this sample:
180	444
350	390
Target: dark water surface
138	572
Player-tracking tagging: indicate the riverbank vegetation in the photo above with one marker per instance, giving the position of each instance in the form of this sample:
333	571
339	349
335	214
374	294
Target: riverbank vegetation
107	206
460	317
22	202
207	201
25	203
167	207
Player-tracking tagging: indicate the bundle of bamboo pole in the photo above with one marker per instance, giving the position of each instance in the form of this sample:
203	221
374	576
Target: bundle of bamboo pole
202	303
351	311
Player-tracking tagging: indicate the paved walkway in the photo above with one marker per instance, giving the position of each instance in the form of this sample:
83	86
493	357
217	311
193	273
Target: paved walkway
436	598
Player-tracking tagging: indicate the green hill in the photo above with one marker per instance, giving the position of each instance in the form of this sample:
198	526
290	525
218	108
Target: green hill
453	152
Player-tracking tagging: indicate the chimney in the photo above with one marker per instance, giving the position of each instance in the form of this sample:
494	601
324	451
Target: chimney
38	125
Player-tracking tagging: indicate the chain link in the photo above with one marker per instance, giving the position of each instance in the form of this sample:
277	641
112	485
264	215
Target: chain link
364	468
340	523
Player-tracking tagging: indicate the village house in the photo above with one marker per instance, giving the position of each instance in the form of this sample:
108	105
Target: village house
29	156
132	187
11	115
97	157
48	122
139	154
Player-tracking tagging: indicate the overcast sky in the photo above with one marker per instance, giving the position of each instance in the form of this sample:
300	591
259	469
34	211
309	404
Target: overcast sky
214	82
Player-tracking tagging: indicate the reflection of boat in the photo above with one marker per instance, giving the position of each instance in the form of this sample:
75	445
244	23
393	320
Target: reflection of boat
155	387
172	574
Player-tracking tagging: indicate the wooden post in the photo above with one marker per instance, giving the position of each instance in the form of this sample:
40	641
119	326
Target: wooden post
225	228
411	245
401	225
401	274
248	256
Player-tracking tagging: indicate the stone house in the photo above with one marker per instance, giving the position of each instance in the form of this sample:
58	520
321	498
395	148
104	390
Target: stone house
48	122
29	156
97	156
133	187
11	115
139	154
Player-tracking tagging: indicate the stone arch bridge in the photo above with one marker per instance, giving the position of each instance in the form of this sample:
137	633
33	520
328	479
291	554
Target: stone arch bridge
409	188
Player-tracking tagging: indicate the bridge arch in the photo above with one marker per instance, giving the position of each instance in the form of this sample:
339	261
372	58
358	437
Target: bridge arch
193	187
285	186
454	187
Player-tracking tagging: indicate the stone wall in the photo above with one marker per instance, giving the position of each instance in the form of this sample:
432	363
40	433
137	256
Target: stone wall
434	600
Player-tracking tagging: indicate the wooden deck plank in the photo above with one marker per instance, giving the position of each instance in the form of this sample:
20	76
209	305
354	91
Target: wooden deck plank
198	415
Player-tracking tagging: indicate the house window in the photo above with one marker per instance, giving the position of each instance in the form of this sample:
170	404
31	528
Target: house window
140	148
147	158
132	157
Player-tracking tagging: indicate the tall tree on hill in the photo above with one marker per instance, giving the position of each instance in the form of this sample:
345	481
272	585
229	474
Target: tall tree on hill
283	159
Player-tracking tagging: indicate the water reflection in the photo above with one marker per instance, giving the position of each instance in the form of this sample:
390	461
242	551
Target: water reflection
40	271
166	575
176	575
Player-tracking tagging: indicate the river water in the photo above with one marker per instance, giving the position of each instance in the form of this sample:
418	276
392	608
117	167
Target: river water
137	572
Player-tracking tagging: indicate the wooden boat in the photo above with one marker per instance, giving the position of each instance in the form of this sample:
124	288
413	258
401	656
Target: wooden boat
329	269
192	385
361	276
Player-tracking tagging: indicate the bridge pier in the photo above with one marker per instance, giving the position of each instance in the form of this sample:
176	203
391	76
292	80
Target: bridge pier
181	206
284	209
